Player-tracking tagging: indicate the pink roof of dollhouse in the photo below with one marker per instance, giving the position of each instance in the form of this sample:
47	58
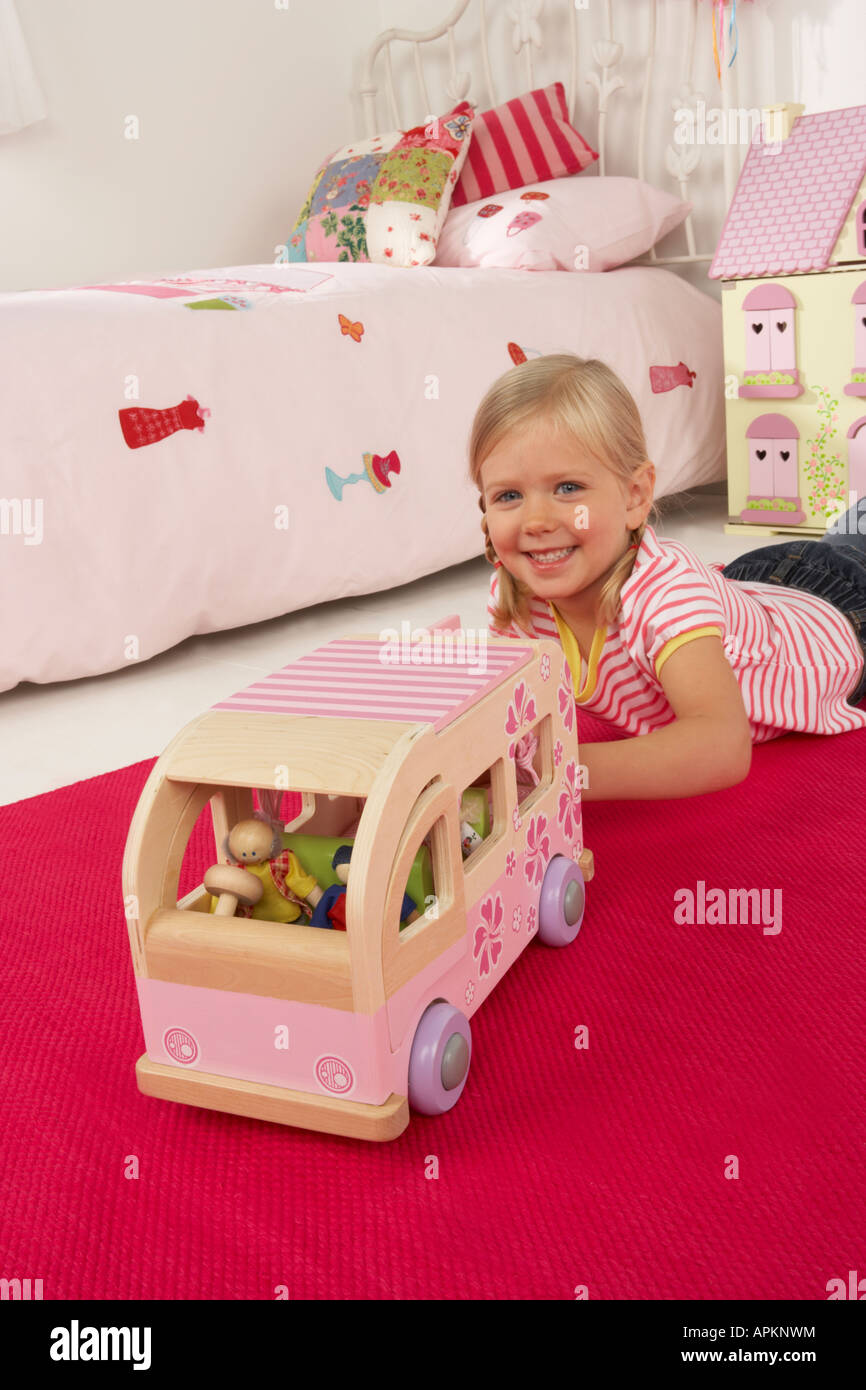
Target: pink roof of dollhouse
790	202
772	427
859	295
350	679
769	297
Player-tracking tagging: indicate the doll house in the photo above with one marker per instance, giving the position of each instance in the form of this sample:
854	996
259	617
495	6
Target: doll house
792	262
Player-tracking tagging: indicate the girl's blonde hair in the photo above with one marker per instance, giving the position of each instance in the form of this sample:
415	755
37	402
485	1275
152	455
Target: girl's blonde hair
584	399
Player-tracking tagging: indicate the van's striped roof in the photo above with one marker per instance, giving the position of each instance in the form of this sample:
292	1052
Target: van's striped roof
350	678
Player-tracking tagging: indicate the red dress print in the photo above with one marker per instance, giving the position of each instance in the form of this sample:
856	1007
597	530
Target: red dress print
142	426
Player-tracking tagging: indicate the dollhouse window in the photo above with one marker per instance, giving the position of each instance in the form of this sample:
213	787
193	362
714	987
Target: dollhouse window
857	384
773	469
857	457
861	229
771	347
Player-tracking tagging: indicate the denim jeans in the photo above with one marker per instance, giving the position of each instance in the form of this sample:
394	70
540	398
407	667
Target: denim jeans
833	568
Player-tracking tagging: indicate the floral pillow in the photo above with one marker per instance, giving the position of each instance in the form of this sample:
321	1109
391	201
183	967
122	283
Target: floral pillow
384	199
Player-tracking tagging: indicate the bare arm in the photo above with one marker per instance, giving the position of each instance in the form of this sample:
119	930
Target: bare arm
707	746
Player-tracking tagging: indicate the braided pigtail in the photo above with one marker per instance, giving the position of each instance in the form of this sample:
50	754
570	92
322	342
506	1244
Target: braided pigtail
514	597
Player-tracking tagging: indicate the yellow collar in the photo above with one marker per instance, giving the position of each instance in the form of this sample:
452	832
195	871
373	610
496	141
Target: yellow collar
572	652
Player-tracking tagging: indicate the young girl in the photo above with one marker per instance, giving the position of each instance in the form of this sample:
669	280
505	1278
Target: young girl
697	661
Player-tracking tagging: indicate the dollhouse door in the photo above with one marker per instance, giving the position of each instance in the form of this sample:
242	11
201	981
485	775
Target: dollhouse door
783	356
761	467
758	342
784	468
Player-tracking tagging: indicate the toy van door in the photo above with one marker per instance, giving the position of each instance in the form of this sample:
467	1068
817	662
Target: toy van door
415	958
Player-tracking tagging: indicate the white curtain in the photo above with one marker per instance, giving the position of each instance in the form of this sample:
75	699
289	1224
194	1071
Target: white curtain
21	99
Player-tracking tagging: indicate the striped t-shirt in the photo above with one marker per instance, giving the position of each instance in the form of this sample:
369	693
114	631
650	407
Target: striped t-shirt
795	656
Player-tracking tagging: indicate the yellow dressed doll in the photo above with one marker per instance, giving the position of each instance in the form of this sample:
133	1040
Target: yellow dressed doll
282	892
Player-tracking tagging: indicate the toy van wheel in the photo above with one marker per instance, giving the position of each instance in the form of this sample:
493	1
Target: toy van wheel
563	901
439	1060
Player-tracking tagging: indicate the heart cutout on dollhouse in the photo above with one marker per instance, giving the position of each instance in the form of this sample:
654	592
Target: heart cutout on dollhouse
785	453
757	328
781	327
762	453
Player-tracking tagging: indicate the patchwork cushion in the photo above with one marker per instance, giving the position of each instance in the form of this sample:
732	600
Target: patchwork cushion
384	199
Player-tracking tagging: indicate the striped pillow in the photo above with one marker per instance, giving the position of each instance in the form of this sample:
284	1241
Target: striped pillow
527	140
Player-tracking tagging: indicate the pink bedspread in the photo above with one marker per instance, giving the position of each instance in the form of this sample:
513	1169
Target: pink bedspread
192	454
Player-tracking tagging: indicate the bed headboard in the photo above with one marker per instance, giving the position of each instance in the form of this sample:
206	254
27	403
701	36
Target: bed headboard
629	68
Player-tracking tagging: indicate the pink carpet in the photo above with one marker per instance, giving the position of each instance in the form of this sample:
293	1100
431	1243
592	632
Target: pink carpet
602	1167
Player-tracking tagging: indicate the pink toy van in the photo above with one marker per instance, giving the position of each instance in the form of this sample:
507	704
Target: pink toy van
450	778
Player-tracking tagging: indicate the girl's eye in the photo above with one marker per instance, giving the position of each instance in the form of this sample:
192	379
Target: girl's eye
574	485
507	495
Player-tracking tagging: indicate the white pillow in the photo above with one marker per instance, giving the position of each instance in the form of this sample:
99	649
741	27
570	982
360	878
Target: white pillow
574	223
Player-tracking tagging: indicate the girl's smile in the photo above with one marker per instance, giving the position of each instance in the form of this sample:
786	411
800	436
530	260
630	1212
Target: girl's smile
548	561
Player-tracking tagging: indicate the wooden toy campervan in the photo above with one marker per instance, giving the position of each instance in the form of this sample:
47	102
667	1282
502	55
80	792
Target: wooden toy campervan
392	748
792	259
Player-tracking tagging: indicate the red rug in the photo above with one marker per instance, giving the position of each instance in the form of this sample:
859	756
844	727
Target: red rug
605	1167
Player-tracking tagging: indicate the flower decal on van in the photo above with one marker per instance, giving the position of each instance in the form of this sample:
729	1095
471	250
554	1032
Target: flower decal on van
537	851
520	711
487	946
566	697
568	809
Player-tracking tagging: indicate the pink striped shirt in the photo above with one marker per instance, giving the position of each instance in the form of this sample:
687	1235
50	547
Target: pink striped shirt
795	656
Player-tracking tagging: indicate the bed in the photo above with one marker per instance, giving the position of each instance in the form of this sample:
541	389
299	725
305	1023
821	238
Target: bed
168	472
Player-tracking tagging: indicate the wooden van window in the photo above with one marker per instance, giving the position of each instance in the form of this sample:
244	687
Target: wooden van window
423	887
533	759
476	815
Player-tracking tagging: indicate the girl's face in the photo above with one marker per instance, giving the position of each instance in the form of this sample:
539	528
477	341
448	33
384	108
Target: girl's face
558	519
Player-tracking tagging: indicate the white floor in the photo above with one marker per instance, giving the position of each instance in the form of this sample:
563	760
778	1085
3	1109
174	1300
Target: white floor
51	735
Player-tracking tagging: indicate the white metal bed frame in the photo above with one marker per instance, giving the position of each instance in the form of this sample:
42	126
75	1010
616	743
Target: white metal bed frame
607	53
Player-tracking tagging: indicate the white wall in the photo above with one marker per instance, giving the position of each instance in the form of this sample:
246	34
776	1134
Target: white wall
827	45
238	101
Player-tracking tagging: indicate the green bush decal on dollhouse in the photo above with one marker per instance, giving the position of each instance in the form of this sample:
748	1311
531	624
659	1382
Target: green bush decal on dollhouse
769	379
776	504
792	257
825	472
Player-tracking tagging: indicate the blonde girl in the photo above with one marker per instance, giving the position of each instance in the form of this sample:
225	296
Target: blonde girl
694	663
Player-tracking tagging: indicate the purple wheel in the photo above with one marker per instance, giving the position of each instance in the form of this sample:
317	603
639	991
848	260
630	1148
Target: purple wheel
439	1061
560	911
